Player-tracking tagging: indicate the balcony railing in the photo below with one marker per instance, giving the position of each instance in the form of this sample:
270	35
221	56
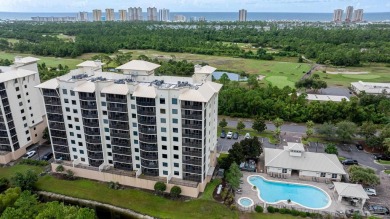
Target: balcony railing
11	125
193	107
117	107
120	142
197	162
151	121
95	155
5	148
49	93
191	169
112	98
5	102
192	116
4	140
146	103
94	147
94	131
95	163
3	134
52	101
88	106
61	156
89	123
192	144
150	172
148	147
123	166
121	150
124	126
149	155
122	158
83	96
57	125
89	114
193	153
93	140
2	126
58	133
188	135
152	130
61	149
149	164
123	117
192	126
147	139
119	134
193	177
59	141
55	118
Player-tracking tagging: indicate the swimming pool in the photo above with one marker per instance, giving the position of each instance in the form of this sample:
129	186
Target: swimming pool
245	202
275	191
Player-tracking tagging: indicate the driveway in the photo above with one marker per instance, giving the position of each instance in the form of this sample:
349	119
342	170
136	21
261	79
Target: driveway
40	149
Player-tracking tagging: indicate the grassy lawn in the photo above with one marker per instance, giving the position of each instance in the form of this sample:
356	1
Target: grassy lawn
138	200
279	81
11	40
265	216
208	192
386	162
342	158
387	171
50	61
8	172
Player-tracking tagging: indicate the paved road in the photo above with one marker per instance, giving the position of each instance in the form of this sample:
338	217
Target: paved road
288	127
40	149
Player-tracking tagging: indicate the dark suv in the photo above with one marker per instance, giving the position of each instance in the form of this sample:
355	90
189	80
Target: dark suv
350	162
223	134
47	156
378	209
381	157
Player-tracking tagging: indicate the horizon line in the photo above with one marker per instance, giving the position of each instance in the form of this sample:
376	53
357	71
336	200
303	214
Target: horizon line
103	10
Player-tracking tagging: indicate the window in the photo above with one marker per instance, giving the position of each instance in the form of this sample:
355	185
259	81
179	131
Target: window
135	133
163	129
74	110
176	139
164	147
107	138
136	157
64	91
105	121
137	166
70	126
175	130
109	154
162	111
74	149
19	96
28	139
26	93
22	111
323	174
102	95
77	127
165	164
132	106
78	135
164	156
31	115
174	111
334	176
75	156
73	102
176	164
80	144
76	119
106	129
72	93
163	120
163	138
174	100
135	141
16	88
25	125
66	100
24	118
104	104
69	117
110	161
104	112
176	156
133	116
20	104
175	121
71	134
67	109
72	141
81	151
162	100
284	170
108	145
132	97
176	173
134	124
136	149
82	159
176	148
165	172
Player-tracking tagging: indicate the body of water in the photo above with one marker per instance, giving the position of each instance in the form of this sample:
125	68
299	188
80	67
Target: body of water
213	16
232	76
304	195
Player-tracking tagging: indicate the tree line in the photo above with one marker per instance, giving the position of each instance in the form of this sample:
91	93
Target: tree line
337	46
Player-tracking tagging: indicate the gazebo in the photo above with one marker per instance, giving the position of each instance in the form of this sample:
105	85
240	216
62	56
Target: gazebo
351	191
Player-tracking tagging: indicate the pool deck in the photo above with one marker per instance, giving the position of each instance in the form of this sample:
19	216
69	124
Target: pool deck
248	192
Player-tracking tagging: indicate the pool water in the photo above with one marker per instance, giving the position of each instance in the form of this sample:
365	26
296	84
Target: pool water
246	202
304	195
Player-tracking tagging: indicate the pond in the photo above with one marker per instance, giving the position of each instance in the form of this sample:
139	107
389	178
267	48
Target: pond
232	76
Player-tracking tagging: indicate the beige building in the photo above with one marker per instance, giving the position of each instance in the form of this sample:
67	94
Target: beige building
135	124
97	15
110	15
349	14
294	161
358	15
22	117
135	14
82	16
123	15
242	14
338	15
152	14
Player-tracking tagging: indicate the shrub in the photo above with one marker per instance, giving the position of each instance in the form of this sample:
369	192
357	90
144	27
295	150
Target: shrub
34	162
25	181
113	185
270	209
295	212
259	209
175	191
69	174
4	184
233	207
224	193
282	211
160	187
303	214
60	169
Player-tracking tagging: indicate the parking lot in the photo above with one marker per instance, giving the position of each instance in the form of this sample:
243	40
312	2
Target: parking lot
40	149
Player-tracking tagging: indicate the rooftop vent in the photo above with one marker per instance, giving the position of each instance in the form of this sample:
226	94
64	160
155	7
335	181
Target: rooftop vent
79	76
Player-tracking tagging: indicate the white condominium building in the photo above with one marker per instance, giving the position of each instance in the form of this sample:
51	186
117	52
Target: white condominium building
338	15
152	14
22	117
82	16
154	126
358	15
349	14
110	15
135	14
242	15
164	14
97	15
122	15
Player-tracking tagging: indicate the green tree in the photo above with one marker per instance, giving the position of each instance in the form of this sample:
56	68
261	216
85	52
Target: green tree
278	122
175	191
328	130
25	181
259	124
386	144
4	184
346	130
59	210
9	197
223	123
253	82
26	206
367	129
300	59
224	79
240	125
251	148
160	187
46	134
331	149
233	176
365	176
60	169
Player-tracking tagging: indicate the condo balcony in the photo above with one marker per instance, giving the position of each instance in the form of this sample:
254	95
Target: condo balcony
146	111
121	142
95	155
119	134
87	96
192	177
52	101
3	93
191	126
58	133
93	139
91	122
148	147
192	135
59	141
196	116
192	169
88	105
123	166
122	158
49	93
149	164
62	149
147	129
145	101
91	131
5	148
94	147
95	163
55	118
119	125
116	107
92	114
61	156
191	105
148	138
189	143
116	98
56	125
2	86
4	140
118	116
197	162
11	124
149	172
195	153
5	102
4	134
149	155
147	120
121	150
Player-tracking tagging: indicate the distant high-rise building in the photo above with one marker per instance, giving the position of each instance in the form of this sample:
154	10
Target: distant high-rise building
135	14
358	15
110	15
242	15
97	15
202	19
338	15
152	14
122	15
82	16
180	18
348	14
164	14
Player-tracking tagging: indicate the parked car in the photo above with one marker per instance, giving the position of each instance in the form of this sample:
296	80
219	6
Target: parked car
359	147
223	134
247	135
378	209
47	156
370	191
381	157
350	162
235	135
229	135
29	154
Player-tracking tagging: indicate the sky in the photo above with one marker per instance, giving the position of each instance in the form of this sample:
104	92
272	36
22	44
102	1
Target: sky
316	6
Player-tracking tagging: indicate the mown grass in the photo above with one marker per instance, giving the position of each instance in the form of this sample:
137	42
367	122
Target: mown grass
8	172
279	81
265	216
139	200
387	171
385	162
49	61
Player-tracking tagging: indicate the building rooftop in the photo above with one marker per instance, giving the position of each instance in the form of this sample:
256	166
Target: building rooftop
333	98
371	88
138	65
350	190
93	64
13	73
25	60
294	146
310	161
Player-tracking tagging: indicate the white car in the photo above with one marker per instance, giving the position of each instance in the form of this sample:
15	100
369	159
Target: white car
370	191
229	135
247	135
29	154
